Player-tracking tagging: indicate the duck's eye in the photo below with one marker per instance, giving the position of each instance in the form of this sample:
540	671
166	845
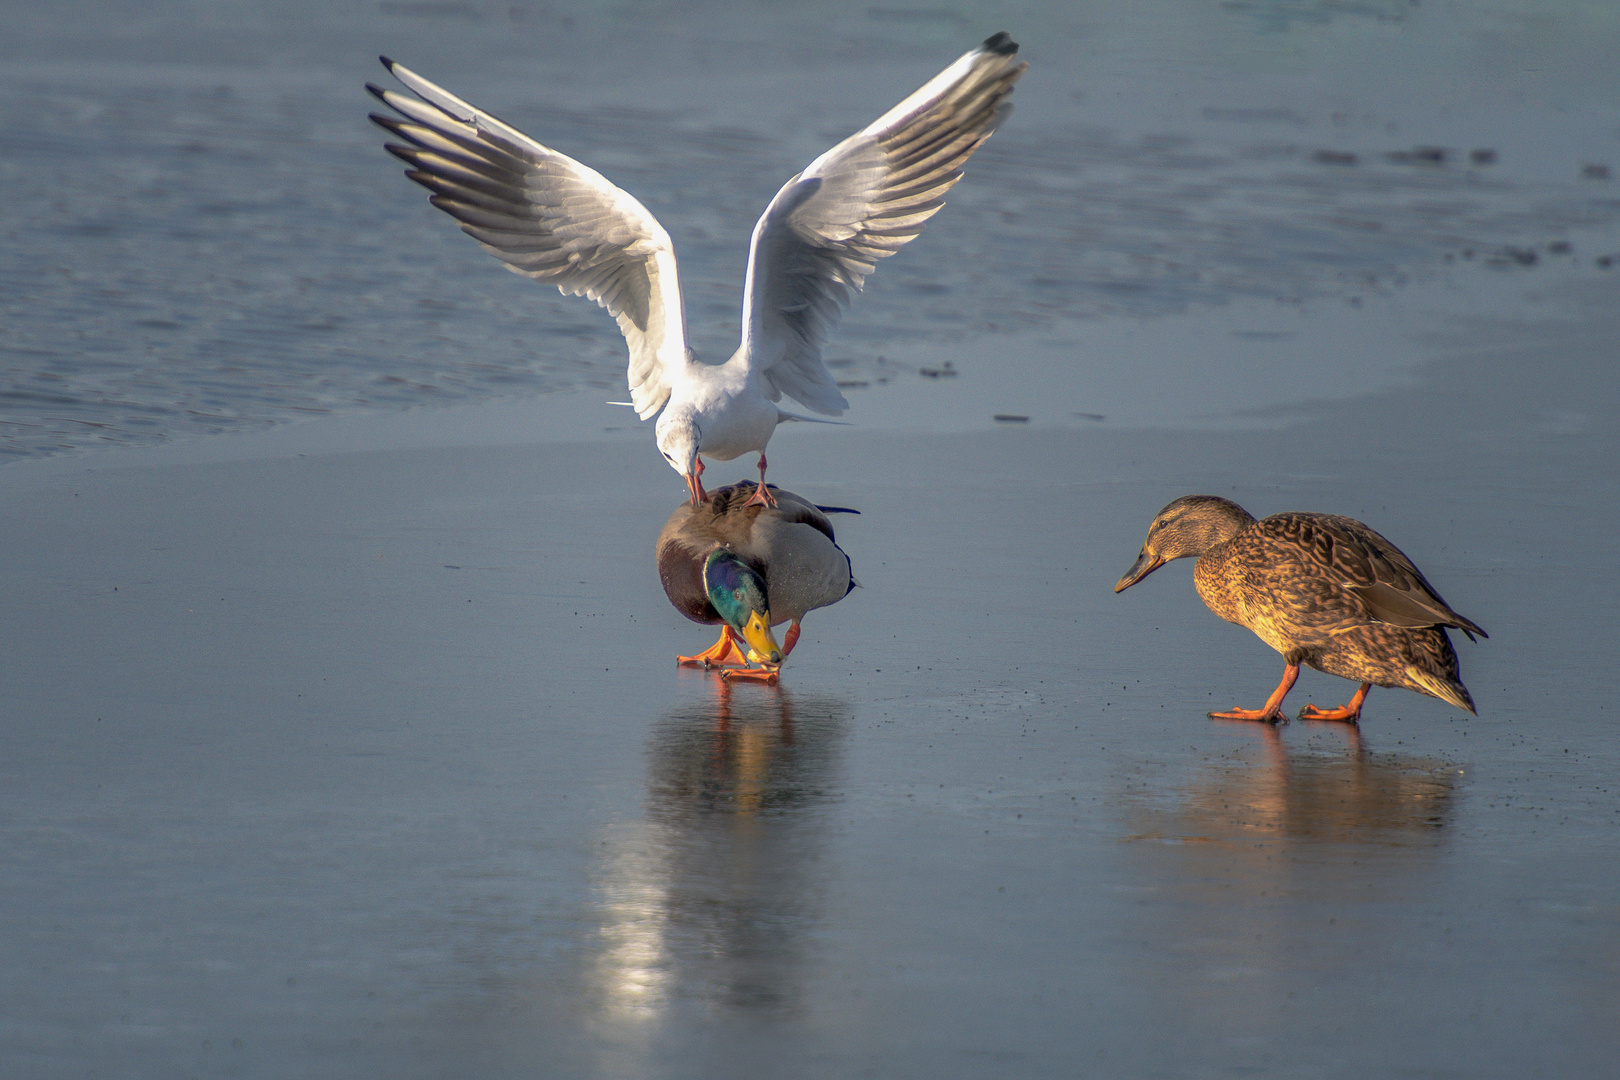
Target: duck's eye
669	459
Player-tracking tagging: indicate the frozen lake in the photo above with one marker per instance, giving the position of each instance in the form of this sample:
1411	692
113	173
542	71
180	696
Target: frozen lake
352	745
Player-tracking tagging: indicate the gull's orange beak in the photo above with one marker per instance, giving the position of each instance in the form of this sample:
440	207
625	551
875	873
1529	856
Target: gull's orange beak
694	482
695	487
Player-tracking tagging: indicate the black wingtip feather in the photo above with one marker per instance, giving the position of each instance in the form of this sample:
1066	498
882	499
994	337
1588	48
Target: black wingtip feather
1002	44
835	509
387	63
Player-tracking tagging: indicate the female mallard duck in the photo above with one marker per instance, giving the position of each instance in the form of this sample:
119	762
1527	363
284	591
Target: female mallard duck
1323	590
750	567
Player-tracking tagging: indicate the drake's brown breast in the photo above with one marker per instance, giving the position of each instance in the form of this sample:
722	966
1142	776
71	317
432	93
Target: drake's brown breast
681	572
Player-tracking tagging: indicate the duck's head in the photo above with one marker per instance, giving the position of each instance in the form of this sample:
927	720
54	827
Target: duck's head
1187	527
738	593
678	439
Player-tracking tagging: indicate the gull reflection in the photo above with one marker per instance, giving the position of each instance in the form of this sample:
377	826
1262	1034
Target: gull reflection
710	898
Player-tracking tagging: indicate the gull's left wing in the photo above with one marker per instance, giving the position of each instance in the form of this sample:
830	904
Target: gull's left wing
825	231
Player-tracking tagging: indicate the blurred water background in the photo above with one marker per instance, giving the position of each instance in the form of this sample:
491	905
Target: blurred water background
201	232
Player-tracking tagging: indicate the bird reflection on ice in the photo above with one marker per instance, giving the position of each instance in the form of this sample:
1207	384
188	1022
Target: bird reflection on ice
1357	795
1264	868
710	897
1298	823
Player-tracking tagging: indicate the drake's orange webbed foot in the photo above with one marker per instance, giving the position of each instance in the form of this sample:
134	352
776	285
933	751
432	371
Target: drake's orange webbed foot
766	675
723	653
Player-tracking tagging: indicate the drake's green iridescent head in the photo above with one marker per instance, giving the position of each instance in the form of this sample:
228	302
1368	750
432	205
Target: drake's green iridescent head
738	594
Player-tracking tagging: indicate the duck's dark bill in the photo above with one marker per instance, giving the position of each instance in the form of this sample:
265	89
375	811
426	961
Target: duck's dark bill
1144	565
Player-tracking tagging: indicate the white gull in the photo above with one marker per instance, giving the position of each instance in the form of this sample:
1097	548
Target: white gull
550	218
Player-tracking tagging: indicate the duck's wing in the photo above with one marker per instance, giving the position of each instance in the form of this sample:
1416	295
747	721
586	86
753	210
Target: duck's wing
549	218
1378	574
804	566
797	510
825	231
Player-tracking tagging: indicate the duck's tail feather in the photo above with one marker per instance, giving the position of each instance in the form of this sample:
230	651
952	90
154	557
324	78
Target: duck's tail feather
1448	690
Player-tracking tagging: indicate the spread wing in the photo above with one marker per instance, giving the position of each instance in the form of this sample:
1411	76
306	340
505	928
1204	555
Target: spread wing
1377	573
549	218
825	231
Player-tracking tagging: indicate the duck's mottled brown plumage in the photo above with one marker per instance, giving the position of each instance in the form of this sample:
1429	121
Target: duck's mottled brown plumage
792	546
1325	591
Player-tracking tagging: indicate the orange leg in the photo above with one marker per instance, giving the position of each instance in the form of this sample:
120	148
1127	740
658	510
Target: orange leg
791	639
1350	713
723	653
722	702
762	495
694	483
1272	712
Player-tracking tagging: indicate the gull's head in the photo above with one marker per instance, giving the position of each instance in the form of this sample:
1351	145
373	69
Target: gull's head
737	592
678	440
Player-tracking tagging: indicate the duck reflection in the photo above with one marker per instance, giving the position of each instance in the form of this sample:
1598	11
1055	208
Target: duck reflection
1275	864
1279	822
1315	797
712	896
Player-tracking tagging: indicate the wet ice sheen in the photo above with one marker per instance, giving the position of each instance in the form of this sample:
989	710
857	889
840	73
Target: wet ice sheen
376	763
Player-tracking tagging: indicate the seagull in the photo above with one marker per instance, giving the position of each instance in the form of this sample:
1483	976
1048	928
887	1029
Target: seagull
550	218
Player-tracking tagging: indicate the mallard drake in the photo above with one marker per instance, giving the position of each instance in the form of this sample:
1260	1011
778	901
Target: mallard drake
552	219
1325	591
750	567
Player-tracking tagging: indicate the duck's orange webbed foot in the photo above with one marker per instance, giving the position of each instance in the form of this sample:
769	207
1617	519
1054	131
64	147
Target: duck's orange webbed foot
1348	713
1343	713
766	675
1269	716
1271	712
723	653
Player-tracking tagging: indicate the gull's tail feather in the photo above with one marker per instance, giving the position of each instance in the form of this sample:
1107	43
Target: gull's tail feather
783	416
